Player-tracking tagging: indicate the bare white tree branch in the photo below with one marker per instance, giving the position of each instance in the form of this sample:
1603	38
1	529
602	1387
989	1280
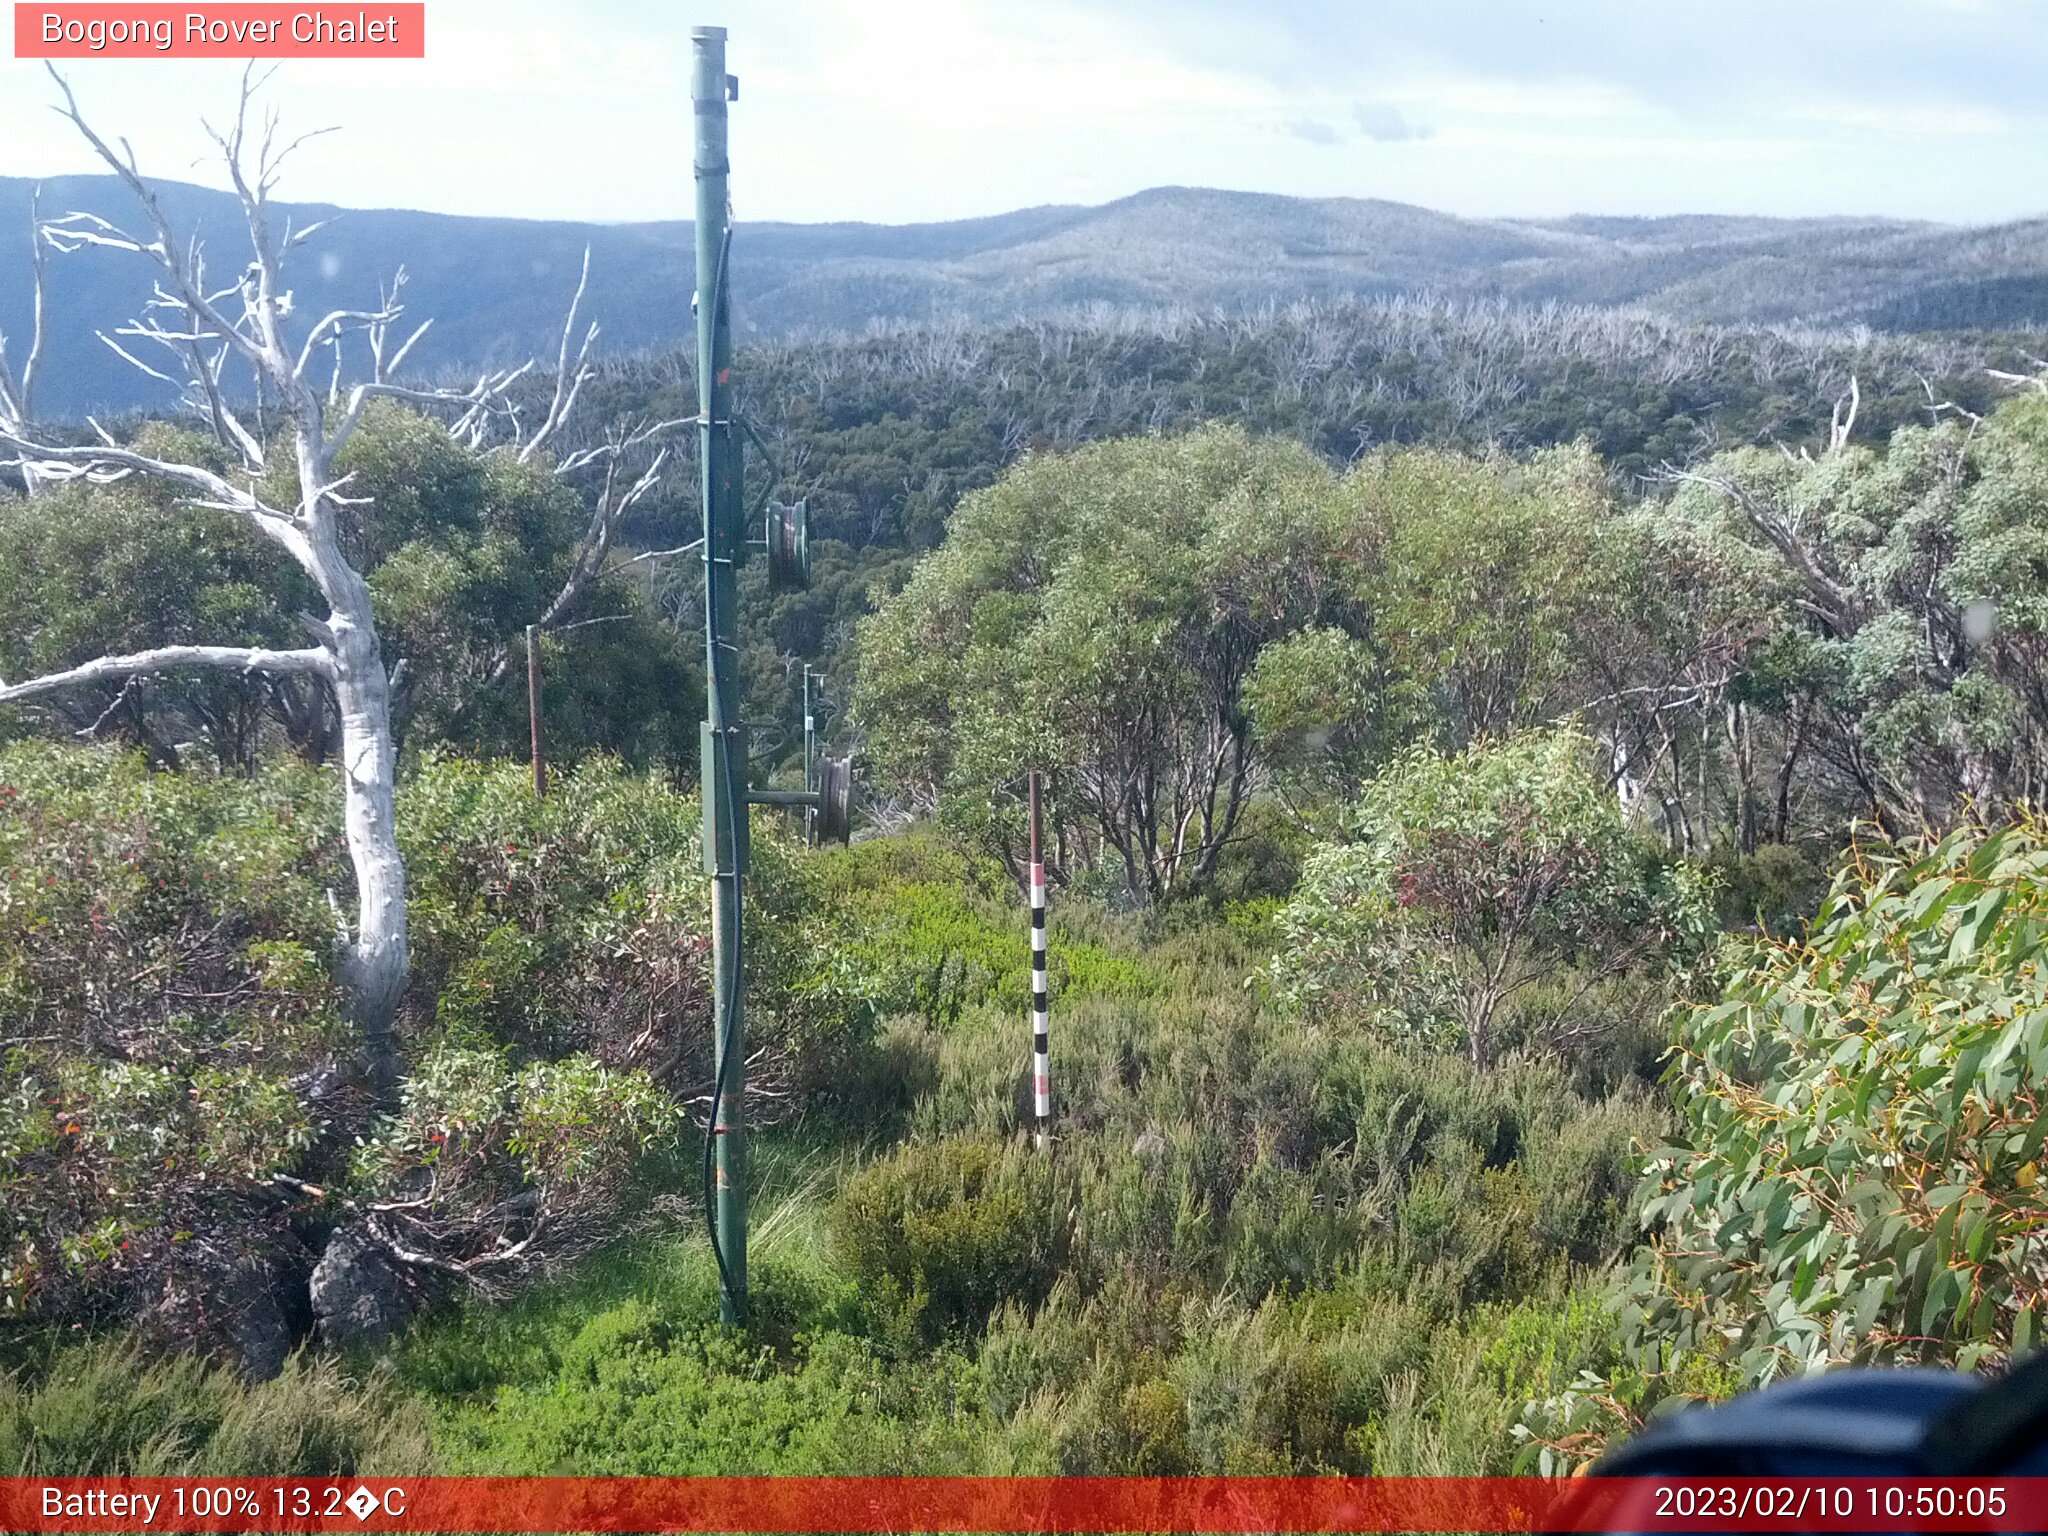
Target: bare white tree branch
2037	381
569	379
18	394
1843	421
611	507
659	554
105	462
170	658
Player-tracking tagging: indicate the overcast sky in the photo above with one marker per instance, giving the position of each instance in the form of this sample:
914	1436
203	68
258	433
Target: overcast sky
898	110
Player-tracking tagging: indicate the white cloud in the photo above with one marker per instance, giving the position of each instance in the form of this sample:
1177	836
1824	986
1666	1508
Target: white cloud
1386	123
1313	131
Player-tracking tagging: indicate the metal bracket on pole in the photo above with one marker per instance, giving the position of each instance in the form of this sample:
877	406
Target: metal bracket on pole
830	804
722	760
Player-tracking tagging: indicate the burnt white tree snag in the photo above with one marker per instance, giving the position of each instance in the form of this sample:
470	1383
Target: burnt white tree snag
1842	422
569	378
18	390
202	326
619	488
618	493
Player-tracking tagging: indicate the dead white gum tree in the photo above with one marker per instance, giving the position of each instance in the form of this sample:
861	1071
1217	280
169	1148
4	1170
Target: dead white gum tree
18	389
197	328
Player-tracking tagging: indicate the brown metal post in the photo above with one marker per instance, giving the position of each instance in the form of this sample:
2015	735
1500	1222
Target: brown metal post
540	761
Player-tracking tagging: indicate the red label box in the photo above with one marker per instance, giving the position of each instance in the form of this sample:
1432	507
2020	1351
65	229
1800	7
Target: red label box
1219	1506
220	31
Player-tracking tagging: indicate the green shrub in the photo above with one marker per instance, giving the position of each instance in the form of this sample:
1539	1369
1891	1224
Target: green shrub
1262	863
1471	878
101	1410
1778	888
165	974
1539	1345
166	947
580	923
1150	1384
933	933
938	1235
634	1400
1855	1177
624	1368
1291	1230
542	1159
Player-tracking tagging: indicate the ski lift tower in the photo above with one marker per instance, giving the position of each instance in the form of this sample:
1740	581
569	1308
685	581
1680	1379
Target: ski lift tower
722	744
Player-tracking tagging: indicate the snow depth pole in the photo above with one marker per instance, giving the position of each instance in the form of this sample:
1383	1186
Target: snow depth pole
1041	1037
721	745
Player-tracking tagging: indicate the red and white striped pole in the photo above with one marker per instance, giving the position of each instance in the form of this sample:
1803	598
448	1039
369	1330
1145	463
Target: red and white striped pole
1041	1038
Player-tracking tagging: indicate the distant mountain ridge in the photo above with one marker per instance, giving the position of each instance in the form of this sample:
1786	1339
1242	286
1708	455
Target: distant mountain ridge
497	287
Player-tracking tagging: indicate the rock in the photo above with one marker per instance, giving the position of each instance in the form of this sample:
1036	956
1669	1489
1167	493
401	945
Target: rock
319	1083
1150	1145
237	1311
259	1337
359	1297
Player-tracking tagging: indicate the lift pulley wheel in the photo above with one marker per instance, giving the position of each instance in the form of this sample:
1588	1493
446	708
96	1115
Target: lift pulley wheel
788	537
832	820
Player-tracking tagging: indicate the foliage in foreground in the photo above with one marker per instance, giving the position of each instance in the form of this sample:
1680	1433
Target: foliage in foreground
1857	1178
1263	1243
1864	1123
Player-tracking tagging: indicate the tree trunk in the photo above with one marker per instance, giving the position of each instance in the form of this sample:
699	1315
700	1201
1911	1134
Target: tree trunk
1795	740
376	962
1478	1028
1741	743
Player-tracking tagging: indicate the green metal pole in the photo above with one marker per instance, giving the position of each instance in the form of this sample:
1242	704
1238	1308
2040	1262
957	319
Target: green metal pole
722	744
810	734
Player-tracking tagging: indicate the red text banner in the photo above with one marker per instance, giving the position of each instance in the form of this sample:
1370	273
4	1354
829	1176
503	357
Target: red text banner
219	31
1195	1504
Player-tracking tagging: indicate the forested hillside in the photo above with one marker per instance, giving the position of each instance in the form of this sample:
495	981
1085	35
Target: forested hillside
496	286
1547	892
884	435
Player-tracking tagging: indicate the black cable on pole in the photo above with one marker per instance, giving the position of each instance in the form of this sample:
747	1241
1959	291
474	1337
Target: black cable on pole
728	983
